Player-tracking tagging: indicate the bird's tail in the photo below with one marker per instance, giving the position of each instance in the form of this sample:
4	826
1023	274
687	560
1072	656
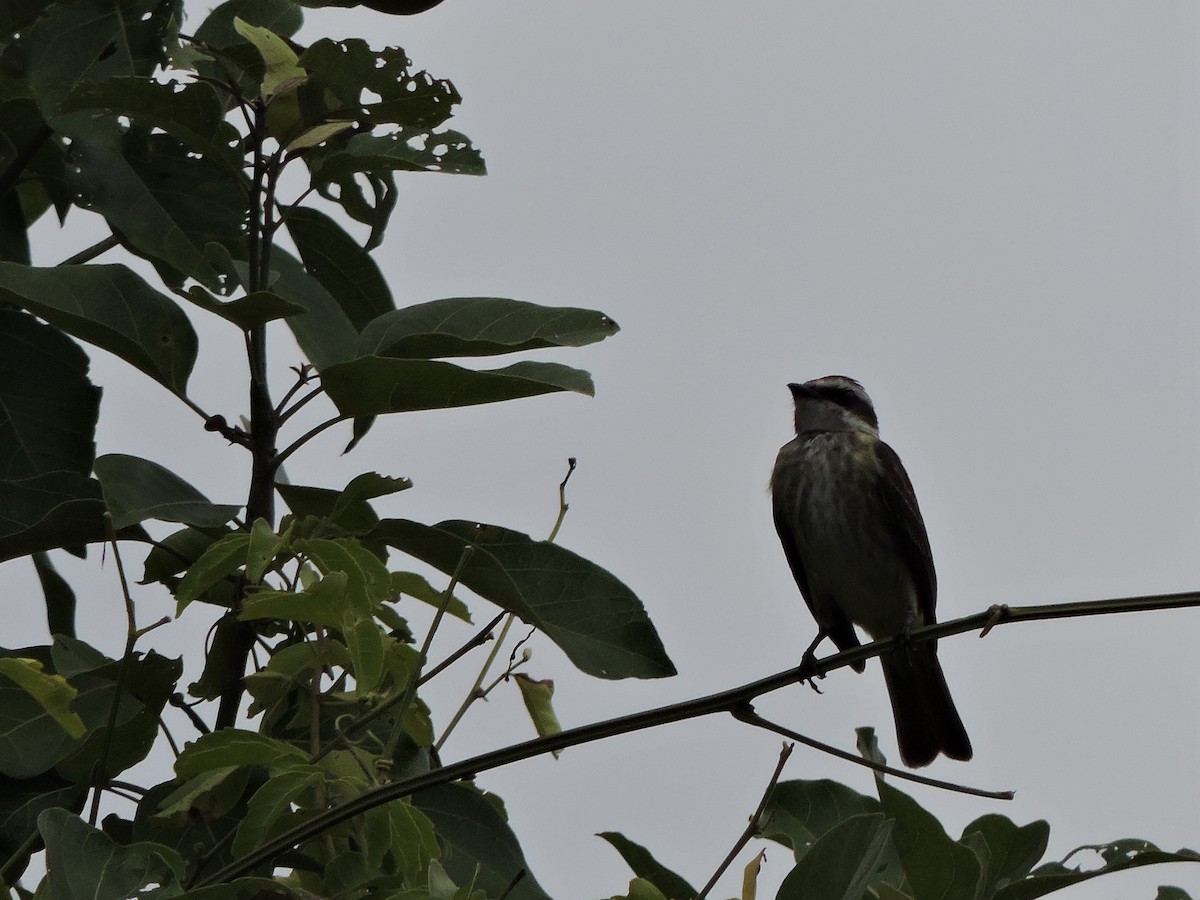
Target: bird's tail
926	721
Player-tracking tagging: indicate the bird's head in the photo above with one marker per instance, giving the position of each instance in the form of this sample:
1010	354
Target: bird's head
833	403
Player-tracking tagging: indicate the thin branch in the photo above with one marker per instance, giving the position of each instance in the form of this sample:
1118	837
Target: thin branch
306	437
562	500
722	702
755	826
89	253
747	714
480	638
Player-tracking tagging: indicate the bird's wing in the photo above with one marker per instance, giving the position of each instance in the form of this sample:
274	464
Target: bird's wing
786	497
900	500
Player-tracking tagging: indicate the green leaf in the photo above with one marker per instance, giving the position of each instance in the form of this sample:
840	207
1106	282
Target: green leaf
269	811
323	603
48	405
283	72
344	269
595	619
317	134
798	812
1012	851
176	552
221	558
58	509
934	865
60	599
480	326
21	801
264	546
418	588
842	864
191	112
165	204
538	697
644	865
373	385
478	844
52	692
236	747
368	584
112	308
280	16
83	862
92	41
366	644
137	489
1130	853
247	312
447	151
324	331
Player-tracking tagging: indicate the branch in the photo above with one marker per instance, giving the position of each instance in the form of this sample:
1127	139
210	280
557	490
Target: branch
730	701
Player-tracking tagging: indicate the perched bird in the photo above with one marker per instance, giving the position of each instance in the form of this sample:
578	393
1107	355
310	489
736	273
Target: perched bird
853	535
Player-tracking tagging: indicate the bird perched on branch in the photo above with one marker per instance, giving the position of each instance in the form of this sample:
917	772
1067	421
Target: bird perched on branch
854	538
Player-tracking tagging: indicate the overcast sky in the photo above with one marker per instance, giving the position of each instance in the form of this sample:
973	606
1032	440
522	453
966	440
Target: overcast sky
988	214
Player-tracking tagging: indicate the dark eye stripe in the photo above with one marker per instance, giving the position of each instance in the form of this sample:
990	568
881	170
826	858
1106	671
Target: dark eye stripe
850	401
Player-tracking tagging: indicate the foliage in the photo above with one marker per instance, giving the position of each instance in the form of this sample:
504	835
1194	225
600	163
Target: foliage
201	149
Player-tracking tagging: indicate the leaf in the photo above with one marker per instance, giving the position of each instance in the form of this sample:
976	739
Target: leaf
21	801
48	405
271	806
1012	851
190	112
112	308
480	326
318	134
165	204
341	266
221	558
595	619
538	697
373	385
236	747
418	588
137	489
60	599
798	812
58	509
934	865
842	864
52	692
83	862
366	644
644	865
324	331
447	151
322	603
478	846
264	546
283	72
368	583
247	312
1131	853
92	41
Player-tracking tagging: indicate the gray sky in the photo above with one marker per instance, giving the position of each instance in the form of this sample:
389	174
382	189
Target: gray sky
988	214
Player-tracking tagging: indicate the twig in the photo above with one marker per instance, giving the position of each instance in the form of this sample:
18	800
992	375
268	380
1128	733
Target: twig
755	826
746	713
480	638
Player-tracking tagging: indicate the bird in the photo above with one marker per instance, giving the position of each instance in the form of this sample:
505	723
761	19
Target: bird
853	535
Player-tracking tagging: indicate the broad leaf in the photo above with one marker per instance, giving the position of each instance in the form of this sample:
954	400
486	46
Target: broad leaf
799	812
192	112
448	151
934	864
167	205
1012	851
1117	856
269	810
60	599
247	312
324	331
644	865
341	266
480	326
46	512
52	692
595	619
21	801
235	747
137	489
283	75
539	703
84	862
373	385
478	844
112	308
843	864
48	405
